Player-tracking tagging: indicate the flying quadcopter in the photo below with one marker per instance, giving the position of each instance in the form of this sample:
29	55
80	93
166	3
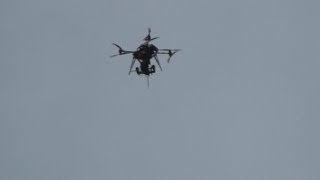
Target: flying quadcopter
144	53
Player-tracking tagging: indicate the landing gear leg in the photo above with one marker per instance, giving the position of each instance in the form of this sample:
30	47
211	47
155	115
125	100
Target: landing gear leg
153	69
138	71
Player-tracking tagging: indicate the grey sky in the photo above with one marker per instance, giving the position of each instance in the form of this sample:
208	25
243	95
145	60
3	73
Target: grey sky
241	101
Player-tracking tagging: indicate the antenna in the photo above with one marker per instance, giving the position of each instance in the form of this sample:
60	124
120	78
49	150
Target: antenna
148	81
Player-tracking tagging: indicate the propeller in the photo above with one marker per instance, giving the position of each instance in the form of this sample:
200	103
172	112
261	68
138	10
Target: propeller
154	38
169	49
118	55
148	37
170	52
121	51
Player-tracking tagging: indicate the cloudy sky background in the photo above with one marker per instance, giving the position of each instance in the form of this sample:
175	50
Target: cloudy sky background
241	101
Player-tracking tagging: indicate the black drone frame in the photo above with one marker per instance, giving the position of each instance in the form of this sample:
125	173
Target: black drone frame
169	52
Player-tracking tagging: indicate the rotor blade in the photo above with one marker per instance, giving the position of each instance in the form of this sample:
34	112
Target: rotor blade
132	63
170	50
157	60
121	51
162	52
120	54
170	55
115	55
148	37
153	38
117	45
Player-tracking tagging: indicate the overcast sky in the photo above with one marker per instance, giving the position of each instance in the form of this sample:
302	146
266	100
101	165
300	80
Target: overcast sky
241	100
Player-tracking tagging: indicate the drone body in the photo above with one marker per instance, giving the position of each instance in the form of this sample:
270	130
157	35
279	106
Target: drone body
144	53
